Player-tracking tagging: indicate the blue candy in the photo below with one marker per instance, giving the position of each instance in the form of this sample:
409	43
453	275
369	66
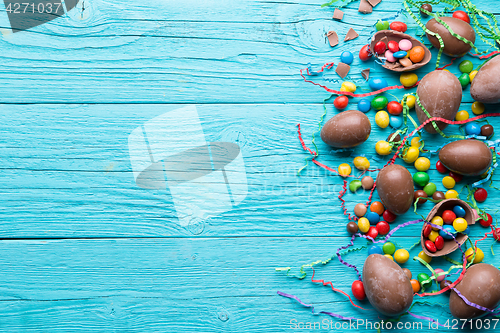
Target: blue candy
448	228
364	105
396	121
373	217
459	211
466	231
472	128
346	57
399	54
377	83
375	249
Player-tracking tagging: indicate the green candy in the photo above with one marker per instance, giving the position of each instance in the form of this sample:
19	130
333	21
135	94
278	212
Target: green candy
421	178
379	102
388	248
382	25
430	188
354	185
422	277
464	79
466	66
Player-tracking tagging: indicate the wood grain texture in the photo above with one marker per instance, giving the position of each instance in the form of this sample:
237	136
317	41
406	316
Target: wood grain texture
83	248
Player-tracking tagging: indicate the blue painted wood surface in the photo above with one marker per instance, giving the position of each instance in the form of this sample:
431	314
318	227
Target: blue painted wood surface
83	248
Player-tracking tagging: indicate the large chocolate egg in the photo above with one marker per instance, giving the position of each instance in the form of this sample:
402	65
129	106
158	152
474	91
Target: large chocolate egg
452	45
480	285
386	285
440	93
484	87
346	129
395	188
466	157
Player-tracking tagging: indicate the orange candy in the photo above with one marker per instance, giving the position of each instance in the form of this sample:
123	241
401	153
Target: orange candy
377	207
415	285
417	54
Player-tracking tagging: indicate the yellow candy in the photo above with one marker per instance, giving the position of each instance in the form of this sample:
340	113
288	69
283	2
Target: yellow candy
451	194
415	142
363	225
479	255
424	257
462	115
459	224
382	119
472	75
410	154
422	164
401	256
361	163
448	182
408	79
383	147
433	235
410	101
477	107
344	169
437	220
389	256
446	69
348	86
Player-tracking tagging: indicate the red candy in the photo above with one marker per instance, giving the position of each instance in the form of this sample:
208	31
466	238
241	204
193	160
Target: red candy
364	53
341	102
372	232
448	216
488	222
383	228
480	195
461	15
455	176
358	290
394	108
441	168
439	242
398	26
496	234
427	230
393	46
380	48
430	246
388	216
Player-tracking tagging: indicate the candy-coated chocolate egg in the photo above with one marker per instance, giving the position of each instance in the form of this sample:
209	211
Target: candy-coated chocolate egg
346	129
400	54
364	225
462	115
487	130
388	216
364	53
401	256
469	254
451	194
358	290
389	56
383	148
480	195
377	83
440	93
420	196
382	119
417	54
367	182
347	57
441	168
446	231
380	48
438	195
377	207
360	210
466	66
425	7
382	25
459	211
395	188
486	222
422	255
405	45
379	102
344	170
408	79
393	137
430	189
352	227
449	182
372	232
448	216
408	273
388	248
421	178
387	287
439	276
394	108
453	46
433	235
373	217
415	285
393	46
410	101
348	86
460	224
410	154
479	285
472	75
422	164
424	281
405	62
477	108
461	15
484	87
361	163
439	242
437	220
464	79
354	185
375	249
395	121
466	157
429	245
341	102
383	228
398	26
427	230
443	284
364	105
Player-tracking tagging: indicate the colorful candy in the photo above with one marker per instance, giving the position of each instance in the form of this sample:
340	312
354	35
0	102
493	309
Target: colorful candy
461	15
348	86
405	45
354	185
401	256
441	168
393	46
421	178
377	83
395	121
488	222
398	26
382	25
462	115
361	163
383	148
410	154
367	182
480	195
341	102
346	57
408	79
388	216
477	108
417	54
460	224
464	79
422	164
430	189
358	290
383	228
448	182
380	48
364	225
344	170
382	119
364	105
377	207
364	53
360	210
466	66
477	258
352	228
394	108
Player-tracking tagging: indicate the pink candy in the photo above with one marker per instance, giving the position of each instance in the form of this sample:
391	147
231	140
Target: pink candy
439	278
389	56
405	44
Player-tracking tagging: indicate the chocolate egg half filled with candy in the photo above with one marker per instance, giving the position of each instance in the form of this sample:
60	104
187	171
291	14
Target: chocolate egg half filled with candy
453	46
387	287
466	157
395	188
484	87
440	93
480	285
346	129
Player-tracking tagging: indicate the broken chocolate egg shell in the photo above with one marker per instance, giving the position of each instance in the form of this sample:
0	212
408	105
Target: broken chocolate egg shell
346	129
452	46
398	36
449	244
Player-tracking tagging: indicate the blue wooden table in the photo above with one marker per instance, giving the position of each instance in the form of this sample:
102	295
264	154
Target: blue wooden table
84	248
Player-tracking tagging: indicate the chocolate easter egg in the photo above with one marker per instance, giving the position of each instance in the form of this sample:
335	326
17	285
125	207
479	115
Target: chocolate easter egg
346	129
387	287
452	45
395	188
466	157
484	87
440	93
480	285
